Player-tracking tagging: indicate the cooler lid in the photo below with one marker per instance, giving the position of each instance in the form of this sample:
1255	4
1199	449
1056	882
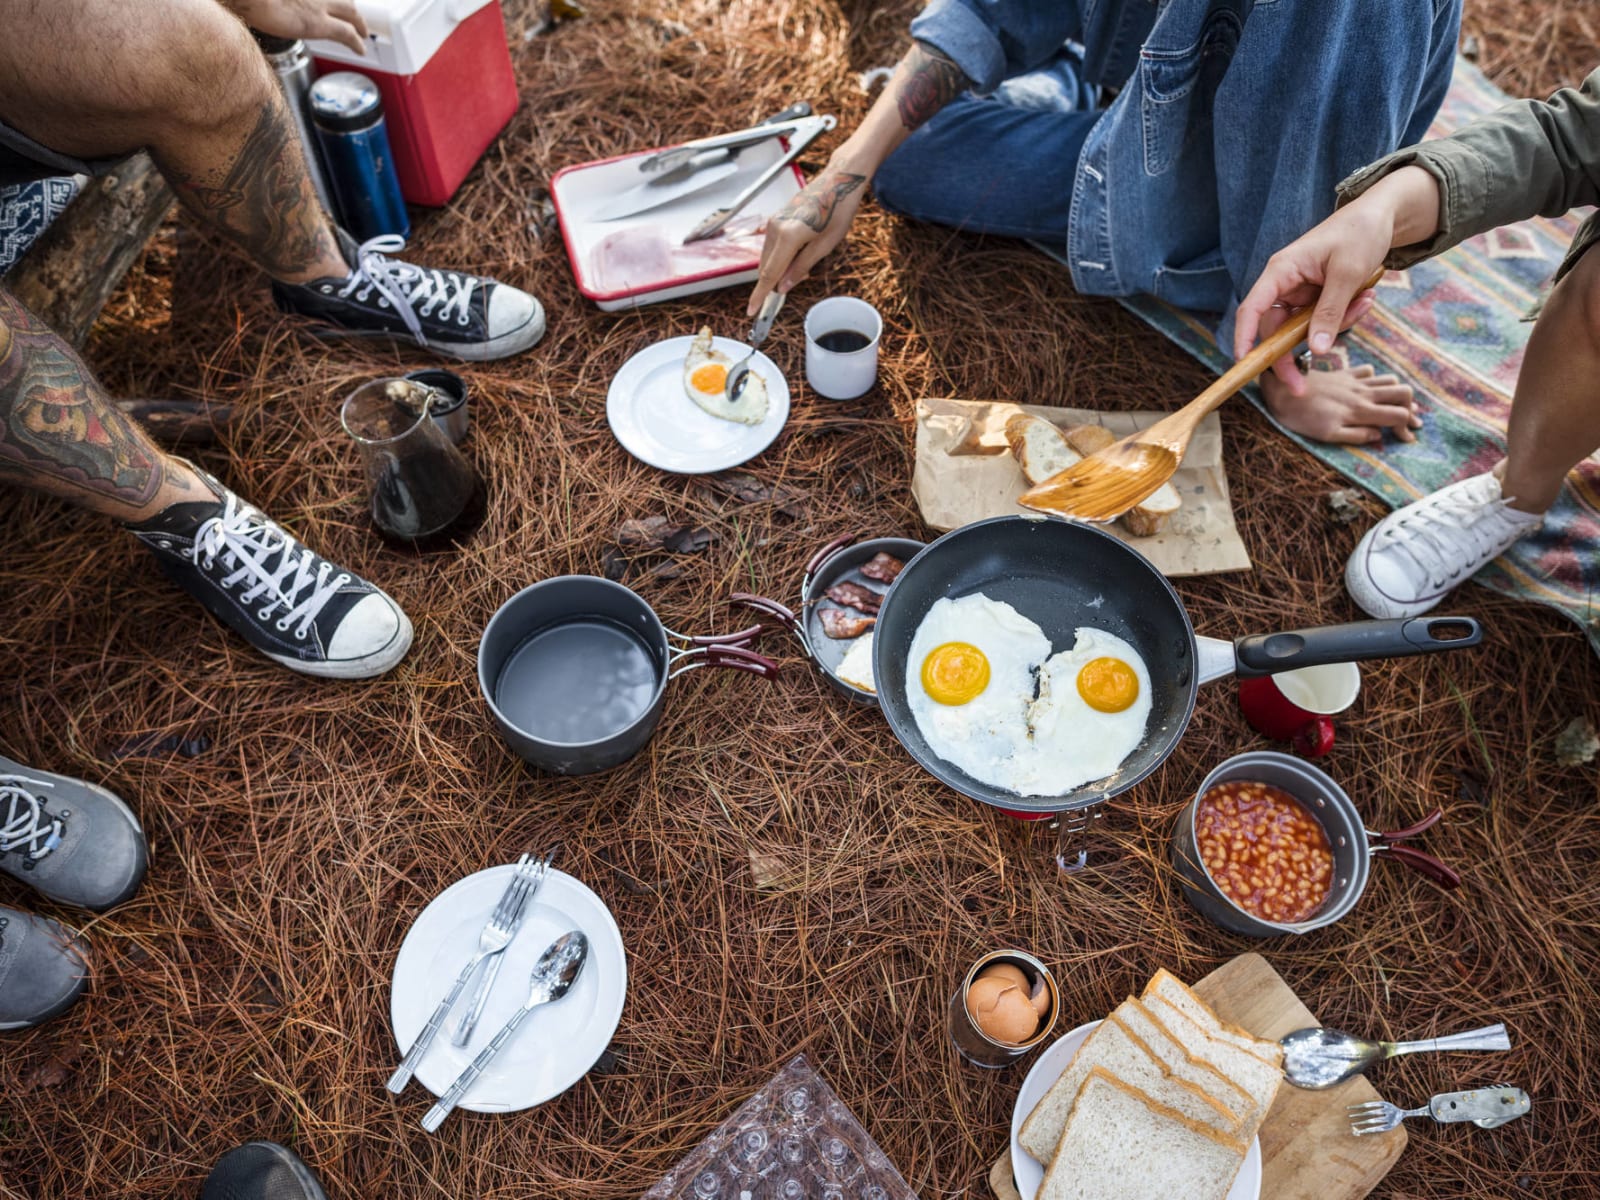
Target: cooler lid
402	34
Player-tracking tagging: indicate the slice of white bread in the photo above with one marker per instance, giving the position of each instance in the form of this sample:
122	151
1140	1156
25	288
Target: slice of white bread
1259	1078
1041	450
1184	1064
1089	439
1150	517
1120	1144
1182	997
1115	1048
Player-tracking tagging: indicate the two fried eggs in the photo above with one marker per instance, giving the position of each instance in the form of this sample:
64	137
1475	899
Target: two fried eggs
971	686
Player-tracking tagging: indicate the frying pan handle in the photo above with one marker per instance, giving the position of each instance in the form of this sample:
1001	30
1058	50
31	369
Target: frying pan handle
772	608
1422	826
1442	874
1269	653
734	657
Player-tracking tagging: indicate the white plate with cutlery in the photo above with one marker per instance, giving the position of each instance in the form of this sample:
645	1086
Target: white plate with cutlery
559	1042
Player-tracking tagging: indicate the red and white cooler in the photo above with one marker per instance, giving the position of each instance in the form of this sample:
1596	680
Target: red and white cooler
444	71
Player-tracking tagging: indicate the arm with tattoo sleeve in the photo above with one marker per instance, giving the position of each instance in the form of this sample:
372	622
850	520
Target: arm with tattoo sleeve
816	220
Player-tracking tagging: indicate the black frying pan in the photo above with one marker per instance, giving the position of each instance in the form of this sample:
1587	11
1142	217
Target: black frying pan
1062	575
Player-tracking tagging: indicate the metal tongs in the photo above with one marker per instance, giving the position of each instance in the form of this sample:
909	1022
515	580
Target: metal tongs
801	129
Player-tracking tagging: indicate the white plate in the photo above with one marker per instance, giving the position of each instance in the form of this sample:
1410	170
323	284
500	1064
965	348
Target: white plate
656	422
1046	1070
558	1043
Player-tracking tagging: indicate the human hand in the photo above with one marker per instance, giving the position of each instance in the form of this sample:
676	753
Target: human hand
331	20
1328	266
805	229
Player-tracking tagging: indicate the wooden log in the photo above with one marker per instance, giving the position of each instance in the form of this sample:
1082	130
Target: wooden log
180	422
67	276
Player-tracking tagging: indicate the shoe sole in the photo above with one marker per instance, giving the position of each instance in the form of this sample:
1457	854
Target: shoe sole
369	666
503	346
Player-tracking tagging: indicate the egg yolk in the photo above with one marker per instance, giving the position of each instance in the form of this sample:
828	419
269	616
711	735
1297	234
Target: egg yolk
1108	685
955	673
709	377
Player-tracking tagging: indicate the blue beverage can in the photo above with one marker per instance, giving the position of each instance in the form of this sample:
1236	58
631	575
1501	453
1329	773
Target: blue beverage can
348	114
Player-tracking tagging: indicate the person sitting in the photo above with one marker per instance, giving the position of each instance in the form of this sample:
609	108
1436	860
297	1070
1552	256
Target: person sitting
84	83
1527	159
76	844
1230	124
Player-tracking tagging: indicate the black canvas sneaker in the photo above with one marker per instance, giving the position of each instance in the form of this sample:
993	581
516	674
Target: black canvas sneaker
43	969
261	1171
450	312
74	842
294	606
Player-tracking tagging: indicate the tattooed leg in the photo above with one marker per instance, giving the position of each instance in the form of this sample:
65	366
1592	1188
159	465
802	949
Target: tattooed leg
59	433
184	79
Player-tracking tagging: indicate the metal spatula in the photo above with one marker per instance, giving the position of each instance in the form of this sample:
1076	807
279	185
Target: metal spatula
1103	486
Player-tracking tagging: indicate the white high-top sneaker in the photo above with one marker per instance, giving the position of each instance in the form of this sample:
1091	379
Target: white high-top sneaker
1414	557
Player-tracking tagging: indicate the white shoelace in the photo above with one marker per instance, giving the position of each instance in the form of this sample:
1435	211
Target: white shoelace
1432	534
247	542
411	290
27	825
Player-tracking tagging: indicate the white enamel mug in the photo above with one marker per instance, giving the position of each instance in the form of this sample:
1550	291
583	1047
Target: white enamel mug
842	374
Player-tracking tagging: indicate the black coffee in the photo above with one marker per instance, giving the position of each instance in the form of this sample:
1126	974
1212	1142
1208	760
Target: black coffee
844	341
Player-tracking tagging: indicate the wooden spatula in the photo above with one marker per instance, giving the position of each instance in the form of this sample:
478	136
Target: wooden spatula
1103	486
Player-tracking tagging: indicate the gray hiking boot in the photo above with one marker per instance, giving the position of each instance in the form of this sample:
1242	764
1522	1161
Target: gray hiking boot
70	840
44	968
261	1171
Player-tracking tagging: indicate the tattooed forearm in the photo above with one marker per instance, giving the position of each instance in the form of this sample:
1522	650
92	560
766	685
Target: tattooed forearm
58	431
266	201
814	206
928	83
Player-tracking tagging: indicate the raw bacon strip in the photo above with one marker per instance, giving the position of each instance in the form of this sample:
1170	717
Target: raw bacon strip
883	567
837	623
855	596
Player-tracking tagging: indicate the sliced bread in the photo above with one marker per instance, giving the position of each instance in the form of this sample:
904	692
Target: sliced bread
1182	997
1120	1144
1150	516
1090	439
1186	1065
1041	450
1256	1077
1113	1047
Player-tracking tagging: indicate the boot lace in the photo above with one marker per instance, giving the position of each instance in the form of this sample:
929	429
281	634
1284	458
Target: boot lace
414	292
268	564
26	825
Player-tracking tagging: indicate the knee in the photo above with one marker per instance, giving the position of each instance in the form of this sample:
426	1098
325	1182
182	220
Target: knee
1576	299
208	69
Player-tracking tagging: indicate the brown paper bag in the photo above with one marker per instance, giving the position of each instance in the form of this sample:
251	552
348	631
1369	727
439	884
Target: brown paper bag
964	472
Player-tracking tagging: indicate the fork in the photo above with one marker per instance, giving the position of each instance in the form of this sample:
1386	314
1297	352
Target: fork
496	936
1485	1107
480	993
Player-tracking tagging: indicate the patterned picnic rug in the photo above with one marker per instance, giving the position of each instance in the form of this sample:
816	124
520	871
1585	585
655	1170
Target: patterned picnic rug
1453	327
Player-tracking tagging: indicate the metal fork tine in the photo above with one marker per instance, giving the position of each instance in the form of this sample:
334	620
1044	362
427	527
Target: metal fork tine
517	895
497	917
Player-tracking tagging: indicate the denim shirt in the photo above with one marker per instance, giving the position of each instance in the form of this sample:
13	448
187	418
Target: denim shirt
1234	123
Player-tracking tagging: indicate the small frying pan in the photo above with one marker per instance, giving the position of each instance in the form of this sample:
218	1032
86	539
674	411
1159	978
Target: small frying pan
1062	575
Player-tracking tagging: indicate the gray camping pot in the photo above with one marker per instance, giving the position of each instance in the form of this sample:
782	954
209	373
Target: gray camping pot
575	671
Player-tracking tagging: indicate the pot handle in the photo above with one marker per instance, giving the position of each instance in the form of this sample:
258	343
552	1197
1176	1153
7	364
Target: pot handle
734	657
824	554
743	638
1269	653
1422	826
1445	876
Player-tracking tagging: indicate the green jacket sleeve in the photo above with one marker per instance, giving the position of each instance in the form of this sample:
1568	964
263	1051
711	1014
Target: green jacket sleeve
1530	158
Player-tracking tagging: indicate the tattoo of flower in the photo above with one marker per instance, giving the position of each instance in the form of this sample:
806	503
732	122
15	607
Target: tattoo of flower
814	207
931	81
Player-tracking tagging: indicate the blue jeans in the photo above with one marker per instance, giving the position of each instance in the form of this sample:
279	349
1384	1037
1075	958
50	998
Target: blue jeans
1234	121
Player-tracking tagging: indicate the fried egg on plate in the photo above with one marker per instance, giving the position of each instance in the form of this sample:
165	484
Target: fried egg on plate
969	681
1094	703
705	379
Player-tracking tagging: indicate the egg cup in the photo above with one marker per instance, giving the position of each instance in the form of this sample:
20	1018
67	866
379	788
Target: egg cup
976	1046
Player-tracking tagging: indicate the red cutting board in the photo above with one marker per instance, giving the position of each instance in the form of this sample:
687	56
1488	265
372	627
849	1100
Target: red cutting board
1307	1149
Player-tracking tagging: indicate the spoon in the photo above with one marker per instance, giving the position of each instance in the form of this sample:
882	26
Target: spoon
1321	1058
553	974
758	334
1105	485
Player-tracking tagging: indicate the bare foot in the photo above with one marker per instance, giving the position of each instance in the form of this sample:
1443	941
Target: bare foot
1351	405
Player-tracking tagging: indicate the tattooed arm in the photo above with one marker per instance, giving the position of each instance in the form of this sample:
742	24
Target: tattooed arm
816	220
60	433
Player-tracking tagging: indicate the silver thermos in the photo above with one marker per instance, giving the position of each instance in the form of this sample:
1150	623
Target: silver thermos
293	65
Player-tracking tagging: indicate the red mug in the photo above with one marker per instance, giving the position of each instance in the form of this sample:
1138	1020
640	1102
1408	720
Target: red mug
1298	706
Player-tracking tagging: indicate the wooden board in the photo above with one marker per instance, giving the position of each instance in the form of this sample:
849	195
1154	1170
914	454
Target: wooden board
1307	1149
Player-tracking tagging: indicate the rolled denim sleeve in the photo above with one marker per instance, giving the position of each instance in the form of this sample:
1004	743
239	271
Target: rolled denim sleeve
1528	159
992	40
